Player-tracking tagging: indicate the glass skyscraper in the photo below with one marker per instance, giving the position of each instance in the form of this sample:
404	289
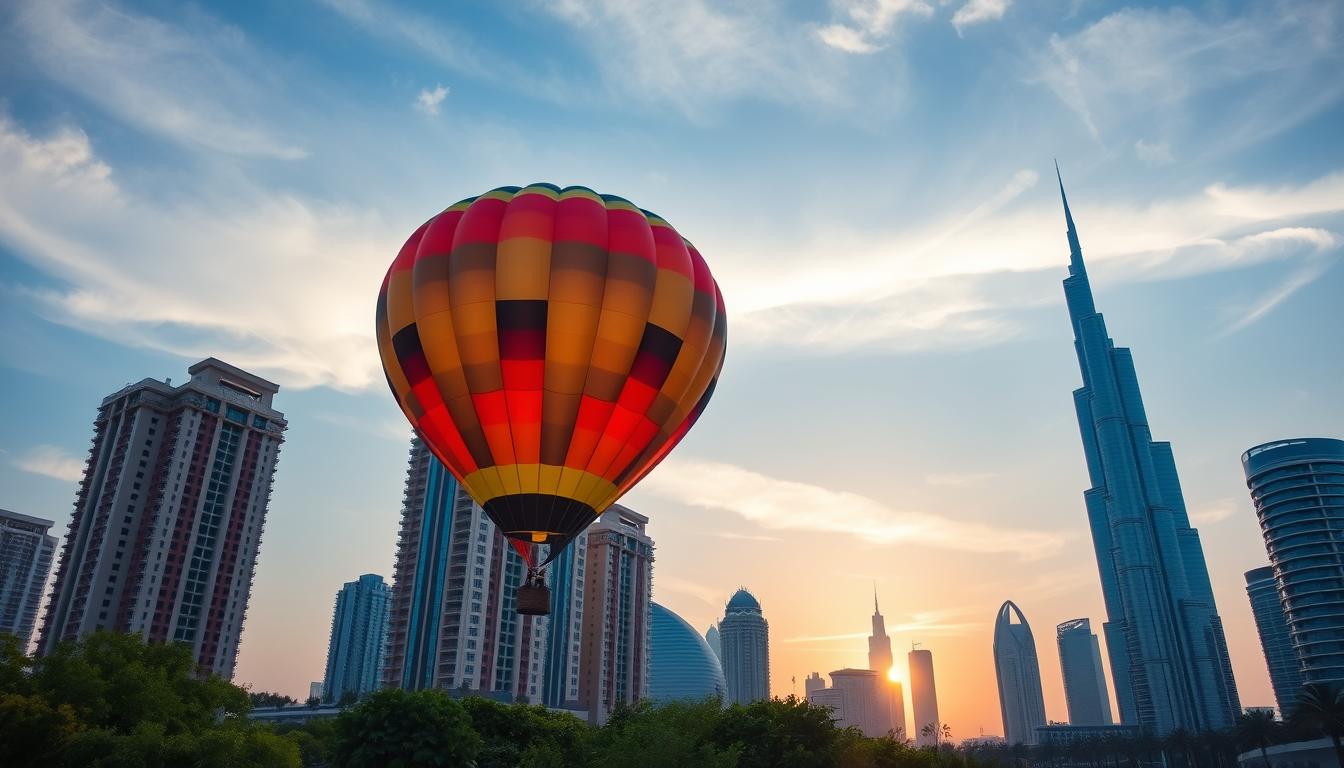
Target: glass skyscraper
1019	675
26	552
1285	668
744	635
358	635
681	664
1085	690
923	697
1298	489
1163	633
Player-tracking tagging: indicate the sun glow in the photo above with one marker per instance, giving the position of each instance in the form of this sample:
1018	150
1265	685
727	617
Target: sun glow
893	675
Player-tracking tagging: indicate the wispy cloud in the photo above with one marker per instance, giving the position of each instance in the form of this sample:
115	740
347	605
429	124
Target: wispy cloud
1153	152
51	461
731	536
429	100
1262	306
789	505
1214	512
705	594
865	26
1140	68
200	87
979	11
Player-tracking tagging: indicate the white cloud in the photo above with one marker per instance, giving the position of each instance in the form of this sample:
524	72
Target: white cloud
199	87
1262	306
1214	512
1140	68
977	11
429	100
869	24
1153	153
667	583
51	461
274	283
788	505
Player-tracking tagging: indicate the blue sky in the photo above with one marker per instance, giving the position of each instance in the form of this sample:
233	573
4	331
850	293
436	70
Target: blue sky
871	182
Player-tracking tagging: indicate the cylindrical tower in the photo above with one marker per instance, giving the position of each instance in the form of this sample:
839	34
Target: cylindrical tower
1297	486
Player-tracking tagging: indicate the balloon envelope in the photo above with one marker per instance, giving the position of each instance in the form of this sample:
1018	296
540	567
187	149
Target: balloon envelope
550	346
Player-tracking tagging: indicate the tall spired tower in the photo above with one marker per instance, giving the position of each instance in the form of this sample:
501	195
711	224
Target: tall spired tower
880	660
1163	634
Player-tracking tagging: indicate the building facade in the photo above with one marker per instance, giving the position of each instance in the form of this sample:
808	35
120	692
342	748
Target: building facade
452	622
26	552
712	637
880	660
812	683
1276	640
566	576
1085	690
358	638
1019	675
1163	633
681	664
923	697
168	519
1297	487
865	701
617	621
744	635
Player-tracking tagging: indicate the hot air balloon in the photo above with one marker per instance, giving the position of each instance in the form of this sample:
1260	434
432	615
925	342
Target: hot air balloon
550	346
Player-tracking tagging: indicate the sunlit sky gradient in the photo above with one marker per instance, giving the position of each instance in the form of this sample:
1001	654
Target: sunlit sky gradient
871	182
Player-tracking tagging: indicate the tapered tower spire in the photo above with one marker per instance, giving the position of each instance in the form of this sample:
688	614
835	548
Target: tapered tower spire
1075	249
875	608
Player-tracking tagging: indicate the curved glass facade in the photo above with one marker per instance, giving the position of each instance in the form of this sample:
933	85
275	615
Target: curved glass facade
1298	490
681	664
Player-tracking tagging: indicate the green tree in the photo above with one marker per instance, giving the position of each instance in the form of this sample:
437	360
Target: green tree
32	732
779	733
395	729
509	731
667	736
1321	707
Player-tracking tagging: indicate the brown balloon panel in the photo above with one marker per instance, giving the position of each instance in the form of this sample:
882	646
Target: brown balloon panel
551	346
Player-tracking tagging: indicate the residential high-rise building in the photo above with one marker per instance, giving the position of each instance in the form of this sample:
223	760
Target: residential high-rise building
26	551
1085	690
712	637
1276	639
617	619
452	622
923	697
681	664
1019	674
564	638
1163	634
1297	486
745	636
880	661
358	638
167	523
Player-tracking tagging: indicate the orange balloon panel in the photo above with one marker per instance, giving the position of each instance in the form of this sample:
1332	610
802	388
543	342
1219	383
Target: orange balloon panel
551	346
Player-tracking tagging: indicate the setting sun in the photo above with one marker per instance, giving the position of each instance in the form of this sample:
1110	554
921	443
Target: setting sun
893	675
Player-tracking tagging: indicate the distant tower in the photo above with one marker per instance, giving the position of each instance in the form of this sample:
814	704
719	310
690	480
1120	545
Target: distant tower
1084	682
1165	638
865	701
923	696
618	618
813	683
1296	486
1019	676
715	643
167	525
358	635
880	660
1276	640
745	636
26	552
681	664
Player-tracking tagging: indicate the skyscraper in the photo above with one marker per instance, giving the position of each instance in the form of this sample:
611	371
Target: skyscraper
358	637
681	664
616	623
745	636
1019	674
1297	486
1276	640
1084	682
167	524
452	622
811	683
712	637
923	697
1163	633
26	551
564	636
880	660
864	701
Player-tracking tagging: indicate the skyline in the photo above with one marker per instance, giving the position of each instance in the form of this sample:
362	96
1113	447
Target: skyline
932	393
